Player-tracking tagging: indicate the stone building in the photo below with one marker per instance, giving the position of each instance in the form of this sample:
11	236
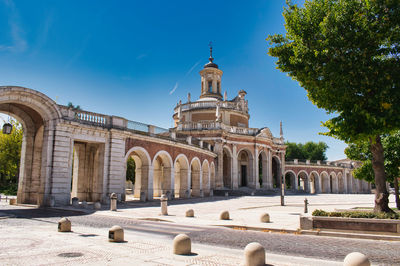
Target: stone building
246	157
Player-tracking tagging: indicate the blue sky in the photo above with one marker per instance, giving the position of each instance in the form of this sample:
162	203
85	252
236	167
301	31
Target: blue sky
137	59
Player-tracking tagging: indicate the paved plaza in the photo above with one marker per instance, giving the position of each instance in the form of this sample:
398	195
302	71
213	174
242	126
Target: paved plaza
32	239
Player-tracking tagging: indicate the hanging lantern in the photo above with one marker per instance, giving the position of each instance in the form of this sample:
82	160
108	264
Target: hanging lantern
7	128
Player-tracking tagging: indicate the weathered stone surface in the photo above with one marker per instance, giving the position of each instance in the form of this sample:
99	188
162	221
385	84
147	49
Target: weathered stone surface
182	245
254	254
356	259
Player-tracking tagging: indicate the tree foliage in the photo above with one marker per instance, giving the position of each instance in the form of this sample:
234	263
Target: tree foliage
346	54
130	170
10	154
308	151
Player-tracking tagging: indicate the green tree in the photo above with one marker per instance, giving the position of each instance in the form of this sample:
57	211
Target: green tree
10	154
361	152
308	151
130	170
346	55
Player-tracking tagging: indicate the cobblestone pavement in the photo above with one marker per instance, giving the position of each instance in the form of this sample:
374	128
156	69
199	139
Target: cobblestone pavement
327	248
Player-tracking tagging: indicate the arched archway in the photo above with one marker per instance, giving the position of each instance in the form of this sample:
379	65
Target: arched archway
38	116
163	182
205	178
290	180
181	167
302	181
333	183
340	180
276	172
245	168
142	167
227	167
262	169
195	175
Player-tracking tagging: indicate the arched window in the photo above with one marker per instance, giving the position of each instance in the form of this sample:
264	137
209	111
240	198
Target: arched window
210	86
219	87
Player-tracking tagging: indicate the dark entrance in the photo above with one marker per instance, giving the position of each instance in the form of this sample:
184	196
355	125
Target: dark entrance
244	175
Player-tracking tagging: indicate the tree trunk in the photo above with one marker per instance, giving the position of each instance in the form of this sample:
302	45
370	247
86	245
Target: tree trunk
381	193
396	192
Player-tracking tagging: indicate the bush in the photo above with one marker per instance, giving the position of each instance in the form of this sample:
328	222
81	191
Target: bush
357	214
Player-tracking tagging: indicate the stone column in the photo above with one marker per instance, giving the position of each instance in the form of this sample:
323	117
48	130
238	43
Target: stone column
234	168
219	175
183	185
195	185
150	183
269	176
256	169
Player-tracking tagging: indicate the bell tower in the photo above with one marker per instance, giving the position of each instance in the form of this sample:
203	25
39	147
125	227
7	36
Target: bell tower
211	79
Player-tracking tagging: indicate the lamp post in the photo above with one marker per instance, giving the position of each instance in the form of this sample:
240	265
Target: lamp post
7	128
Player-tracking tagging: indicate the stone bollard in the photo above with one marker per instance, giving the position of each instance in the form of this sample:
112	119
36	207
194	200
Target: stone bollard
305	205
116	234
164	204
113	205
253	193
224	215
182	245
264	218
190	213
254	254
64	225
187	194
211	193
143	196
13	201
84	204
226	194
97	206
356	259
75	202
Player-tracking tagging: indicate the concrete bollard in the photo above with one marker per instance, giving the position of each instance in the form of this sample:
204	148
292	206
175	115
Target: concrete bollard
264	218
305	205
182	245
75	202
116	234
13	201
113	205
97	206
64	225
254	254
356	259
164	204
190	213
224	215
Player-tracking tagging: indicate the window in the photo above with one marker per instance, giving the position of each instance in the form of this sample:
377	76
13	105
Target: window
210	86
219	87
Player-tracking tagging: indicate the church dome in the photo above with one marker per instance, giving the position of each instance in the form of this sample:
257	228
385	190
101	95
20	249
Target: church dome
211	64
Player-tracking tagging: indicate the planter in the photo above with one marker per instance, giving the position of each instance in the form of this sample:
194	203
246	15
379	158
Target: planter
353	224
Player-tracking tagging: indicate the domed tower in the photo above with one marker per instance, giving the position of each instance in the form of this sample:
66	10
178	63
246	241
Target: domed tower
211	80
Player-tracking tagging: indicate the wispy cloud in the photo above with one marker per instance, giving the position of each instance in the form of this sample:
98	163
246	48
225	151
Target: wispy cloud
19	44
141	56
192	68
44	32
174	89
78	53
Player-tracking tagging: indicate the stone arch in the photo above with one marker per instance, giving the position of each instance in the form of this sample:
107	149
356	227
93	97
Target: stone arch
181	168
290	179
262	169
302	181
245	168
276	172
314	182
227	167
163	176
325	186
340	180
38	115
205	169
195	177
333	184
142	169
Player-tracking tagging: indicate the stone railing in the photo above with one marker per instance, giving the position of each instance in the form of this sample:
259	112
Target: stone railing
318	163
211	125
96	119
212	104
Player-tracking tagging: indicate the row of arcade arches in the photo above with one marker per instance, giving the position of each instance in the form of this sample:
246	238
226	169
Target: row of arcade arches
179	178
